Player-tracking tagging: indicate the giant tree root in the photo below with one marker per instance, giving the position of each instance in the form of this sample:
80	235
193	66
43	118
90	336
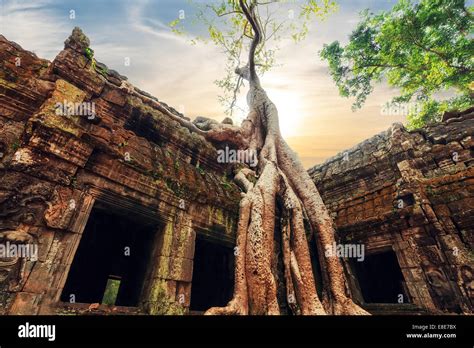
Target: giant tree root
255	286
280	177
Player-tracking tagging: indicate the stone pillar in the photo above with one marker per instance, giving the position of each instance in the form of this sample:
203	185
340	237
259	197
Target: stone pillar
169	284
440	256
65	218
409	261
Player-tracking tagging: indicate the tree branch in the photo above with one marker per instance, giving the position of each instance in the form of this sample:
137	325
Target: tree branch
249	13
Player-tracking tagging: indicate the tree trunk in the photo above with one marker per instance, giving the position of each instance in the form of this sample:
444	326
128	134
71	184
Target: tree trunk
280	177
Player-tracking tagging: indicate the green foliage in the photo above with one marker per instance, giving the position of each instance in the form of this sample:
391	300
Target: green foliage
165	306
227	28
89	52
111	292
200	170
226	183
424	48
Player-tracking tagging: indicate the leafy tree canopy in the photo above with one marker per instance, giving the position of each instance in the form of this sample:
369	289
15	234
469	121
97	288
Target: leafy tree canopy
228	28
424	48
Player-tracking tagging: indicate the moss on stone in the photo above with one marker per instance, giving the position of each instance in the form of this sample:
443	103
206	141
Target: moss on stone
64	92
191	139
161	302
7	83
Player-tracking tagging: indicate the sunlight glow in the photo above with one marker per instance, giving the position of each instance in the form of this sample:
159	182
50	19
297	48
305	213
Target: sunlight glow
290	106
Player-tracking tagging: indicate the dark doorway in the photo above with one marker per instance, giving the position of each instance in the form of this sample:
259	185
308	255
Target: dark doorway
380	278
213	275
113	250
315	262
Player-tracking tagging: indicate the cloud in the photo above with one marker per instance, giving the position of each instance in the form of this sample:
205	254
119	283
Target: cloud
152	26
163	63
21	6
33	25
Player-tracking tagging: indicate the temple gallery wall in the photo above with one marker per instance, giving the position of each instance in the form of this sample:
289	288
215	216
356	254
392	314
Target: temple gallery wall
131	213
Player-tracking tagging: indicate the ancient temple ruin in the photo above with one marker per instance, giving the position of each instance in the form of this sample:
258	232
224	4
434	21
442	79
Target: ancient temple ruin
408	197
131	213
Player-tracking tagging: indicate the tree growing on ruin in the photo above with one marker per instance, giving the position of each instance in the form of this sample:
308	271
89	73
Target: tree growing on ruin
423	48
278	188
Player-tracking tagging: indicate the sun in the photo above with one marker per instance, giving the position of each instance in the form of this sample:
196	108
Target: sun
289	105
290	114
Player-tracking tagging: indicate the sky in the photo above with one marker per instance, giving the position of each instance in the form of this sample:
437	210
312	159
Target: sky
314	119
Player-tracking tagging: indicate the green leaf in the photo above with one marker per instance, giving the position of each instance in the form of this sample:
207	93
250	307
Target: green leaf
422	48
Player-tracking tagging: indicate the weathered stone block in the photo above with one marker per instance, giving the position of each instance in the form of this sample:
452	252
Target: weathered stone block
175	268
468	142
43	166
61	144
442	210
183	293
114	95
41	277
163	288
178	238
26	303
63	94
75	67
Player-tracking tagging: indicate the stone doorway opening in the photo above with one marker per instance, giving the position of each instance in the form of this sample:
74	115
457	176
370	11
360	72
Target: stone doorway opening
213	275
380	278
111	260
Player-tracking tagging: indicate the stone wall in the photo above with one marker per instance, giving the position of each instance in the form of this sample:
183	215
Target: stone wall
413	193
410	192
128	157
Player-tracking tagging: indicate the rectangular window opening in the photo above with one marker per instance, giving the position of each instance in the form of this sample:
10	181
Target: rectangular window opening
110	263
